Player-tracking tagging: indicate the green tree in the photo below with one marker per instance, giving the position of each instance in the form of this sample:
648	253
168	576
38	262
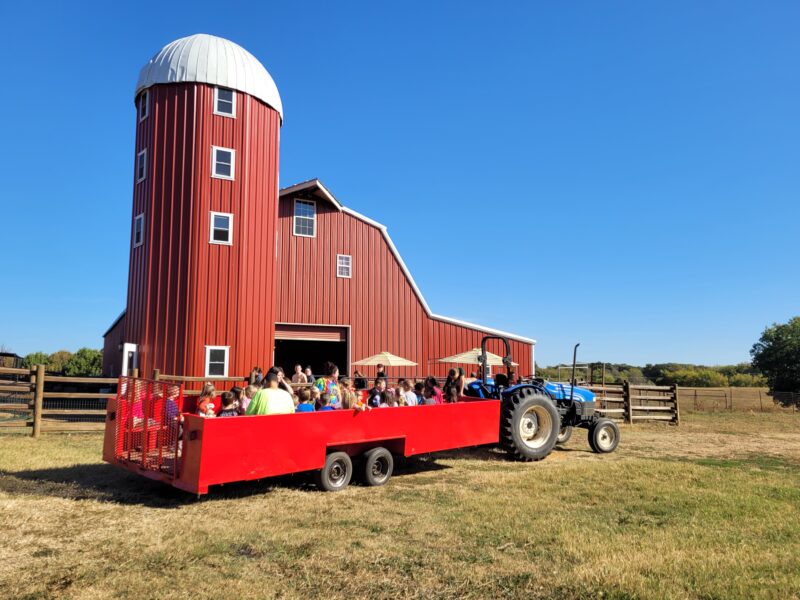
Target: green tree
86	362
747	380
777	355
35	358
57	361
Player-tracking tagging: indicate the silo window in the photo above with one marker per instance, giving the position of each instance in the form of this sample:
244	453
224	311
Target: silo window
305	218
222	162
221	228
141	165
144	105
138	230
224	102
344	266
217	361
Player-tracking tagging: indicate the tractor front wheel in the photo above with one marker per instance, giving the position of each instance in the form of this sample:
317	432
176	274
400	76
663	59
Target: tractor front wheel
604	436
529	424
564	434
336	473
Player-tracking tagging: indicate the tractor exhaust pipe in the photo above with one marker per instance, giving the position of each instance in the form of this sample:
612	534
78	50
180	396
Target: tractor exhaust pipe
574	361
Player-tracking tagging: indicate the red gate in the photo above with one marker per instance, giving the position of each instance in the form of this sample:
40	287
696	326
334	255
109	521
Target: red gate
148	423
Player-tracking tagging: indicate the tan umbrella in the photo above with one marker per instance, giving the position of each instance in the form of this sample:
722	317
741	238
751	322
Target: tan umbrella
387	359
473	357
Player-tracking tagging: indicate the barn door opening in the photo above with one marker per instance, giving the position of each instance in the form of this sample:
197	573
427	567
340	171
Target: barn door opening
311	345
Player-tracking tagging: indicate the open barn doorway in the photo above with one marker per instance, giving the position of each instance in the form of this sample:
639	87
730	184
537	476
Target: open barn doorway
311	345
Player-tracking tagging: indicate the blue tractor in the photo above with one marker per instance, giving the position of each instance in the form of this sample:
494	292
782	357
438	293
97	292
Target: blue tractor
537	414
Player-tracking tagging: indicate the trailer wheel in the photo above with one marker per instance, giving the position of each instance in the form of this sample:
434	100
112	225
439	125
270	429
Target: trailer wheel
604	436
564	434
378	466
336	473
529	425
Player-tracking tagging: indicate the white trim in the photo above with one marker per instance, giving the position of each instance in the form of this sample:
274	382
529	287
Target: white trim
211	239
142	155
315	183
146	95
140	219
294	218
126	347
214	163
227	350
349	266
230	115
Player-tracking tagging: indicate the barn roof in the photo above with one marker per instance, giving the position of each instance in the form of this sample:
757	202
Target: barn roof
214	60
317	189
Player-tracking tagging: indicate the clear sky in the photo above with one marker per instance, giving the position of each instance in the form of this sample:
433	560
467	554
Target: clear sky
623	174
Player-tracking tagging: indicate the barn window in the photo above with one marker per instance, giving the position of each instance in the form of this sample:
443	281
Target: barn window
305	218
222	162
144	105
344	266
224	102
217	361
141	165
138	230
221	228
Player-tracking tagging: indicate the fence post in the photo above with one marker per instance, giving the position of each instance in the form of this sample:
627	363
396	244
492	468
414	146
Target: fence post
626	396
38	397
135	373
156	374
677	407
760	402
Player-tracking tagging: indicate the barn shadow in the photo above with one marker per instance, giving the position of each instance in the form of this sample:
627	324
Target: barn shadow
105	483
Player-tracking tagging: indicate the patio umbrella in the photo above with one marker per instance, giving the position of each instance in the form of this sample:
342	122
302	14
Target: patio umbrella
473	357
386	358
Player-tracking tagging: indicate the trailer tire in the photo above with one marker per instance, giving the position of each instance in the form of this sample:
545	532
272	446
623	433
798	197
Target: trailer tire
337	472
604	436
529	424
564	434
378	466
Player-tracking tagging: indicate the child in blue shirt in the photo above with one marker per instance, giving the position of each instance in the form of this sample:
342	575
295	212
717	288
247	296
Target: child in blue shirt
305	404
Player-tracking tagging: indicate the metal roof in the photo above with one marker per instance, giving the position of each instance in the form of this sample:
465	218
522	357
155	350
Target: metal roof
210	59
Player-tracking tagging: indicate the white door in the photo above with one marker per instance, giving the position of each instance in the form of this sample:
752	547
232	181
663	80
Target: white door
130	358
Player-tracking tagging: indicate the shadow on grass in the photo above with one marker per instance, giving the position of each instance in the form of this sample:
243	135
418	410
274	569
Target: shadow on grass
105	483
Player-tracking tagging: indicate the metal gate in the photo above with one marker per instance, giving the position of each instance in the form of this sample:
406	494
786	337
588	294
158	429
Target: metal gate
148	424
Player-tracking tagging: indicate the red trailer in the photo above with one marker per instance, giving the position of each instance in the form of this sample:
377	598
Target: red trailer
151	430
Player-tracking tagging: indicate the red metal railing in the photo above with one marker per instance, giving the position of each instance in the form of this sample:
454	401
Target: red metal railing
148	424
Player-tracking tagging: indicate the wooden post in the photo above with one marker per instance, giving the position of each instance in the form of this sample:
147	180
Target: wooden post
156	374
760	402
626	396
677	408
135	373
38	397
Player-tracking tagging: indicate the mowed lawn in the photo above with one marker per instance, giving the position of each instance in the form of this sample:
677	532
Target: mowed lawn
707	510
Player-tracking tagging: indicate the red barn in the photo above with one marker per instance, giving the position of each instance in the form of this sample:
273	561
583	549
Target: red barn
226	272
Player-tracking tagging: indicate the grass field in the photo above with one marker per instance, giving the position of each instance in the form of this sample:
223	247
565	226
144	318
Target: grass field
708	510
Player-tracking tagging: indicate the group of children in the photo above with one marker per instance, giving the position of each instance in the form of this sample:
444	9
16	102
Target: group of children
272	394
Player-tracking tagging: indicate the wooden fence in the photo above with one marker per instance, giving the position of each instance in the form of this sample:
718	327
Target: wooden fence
633	403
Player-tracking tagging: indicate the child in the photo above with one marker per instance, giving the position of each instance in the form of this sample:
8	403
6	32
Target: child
304	404
315	394
409	398
324	402
388	399
206	401
230	407
419	388
247	396
375	394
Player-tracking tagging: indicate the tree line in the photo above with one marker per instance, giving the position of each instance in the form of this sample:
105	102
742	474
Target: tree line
682	374
86	362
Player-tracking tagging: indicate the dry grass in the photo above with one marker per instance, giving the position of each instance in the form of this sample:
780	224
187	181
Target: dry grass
708	510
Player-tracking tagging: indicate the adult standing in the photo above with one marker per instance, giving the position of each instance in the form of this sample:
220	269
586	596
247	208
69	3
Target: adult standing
329	384
299	376
381	372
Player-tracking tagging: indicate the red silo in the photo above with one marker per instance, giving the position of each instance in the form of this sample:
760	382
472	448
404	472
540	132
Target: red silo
201	284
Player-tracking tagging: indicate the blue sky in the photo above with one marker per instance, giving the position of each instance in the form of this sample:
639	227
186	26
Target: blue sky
623	174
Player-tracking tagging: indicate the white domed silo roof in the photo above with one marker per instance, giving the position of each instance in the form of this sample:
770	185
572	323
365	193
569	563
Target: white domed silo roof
214	60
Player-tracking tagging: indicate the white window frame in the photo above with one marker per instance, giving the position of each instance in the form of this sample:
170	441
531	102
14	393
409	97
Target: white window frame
143	114
214	163
138	219
294	218
227	350
141	157
230	115
349	265
211	239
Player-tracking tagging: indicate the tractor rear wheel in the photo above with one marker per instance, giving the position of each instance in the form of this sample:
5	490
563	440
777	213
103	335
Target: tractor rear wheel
529	424
564	434
336	473
604	436
378	466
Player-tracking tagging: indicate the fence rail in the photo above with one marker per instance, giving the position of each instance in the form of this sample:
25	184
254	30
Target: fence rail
632	403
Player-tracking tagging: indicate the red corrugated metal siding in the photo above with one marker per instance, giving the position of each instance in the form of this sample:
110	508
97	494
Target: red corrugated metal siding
183	292
112	353
378	302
